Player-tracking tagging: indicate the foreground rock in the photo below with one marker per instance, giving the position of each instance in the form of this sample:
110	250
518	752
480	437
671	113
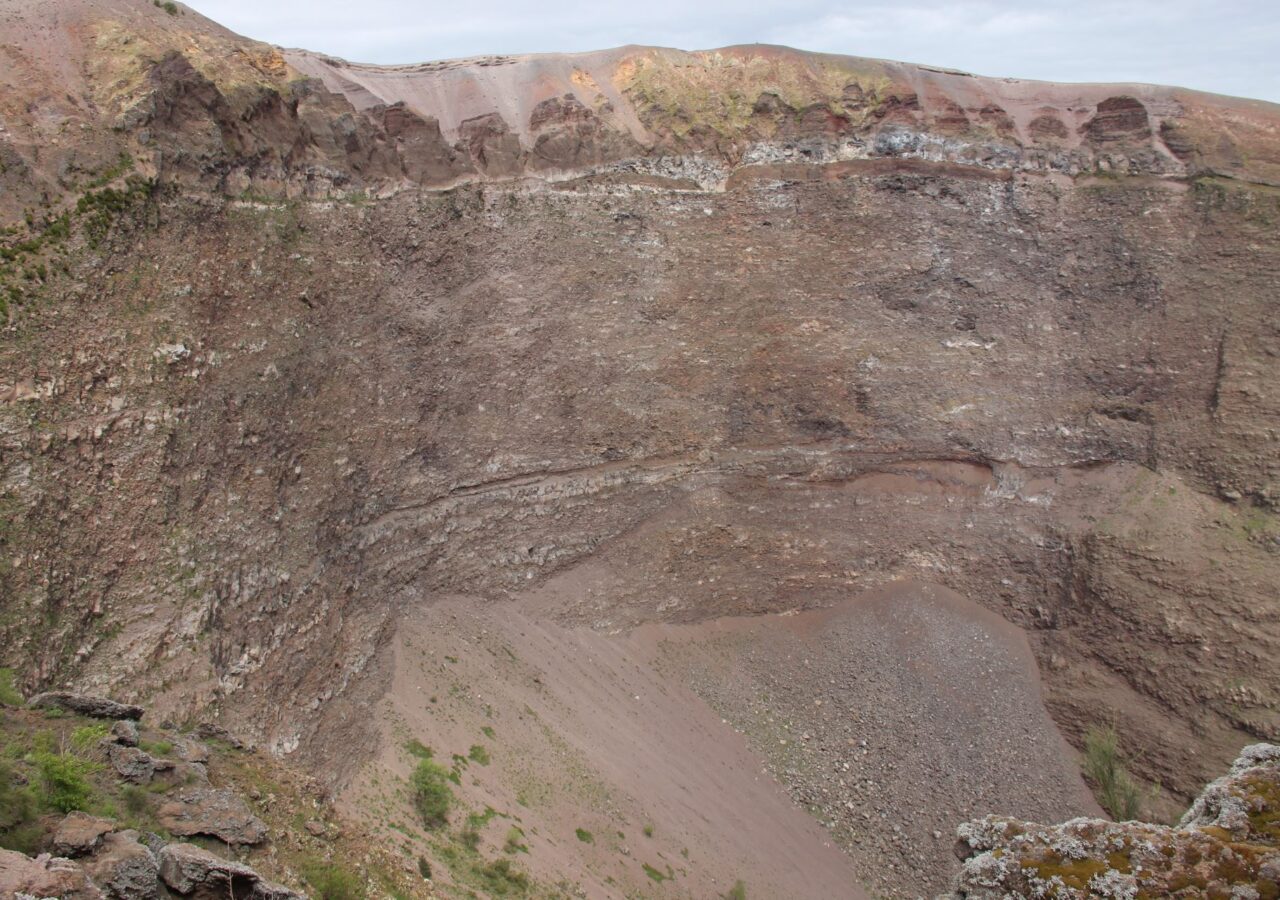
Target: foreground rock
194	872
85	705
80	834
1227	845
215	812
124	868
44	876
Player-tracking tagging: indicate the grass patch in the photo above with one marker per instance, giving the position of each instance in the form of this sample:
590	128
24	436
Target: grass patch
331	881
515	840
738	891
478	754
432	795
585	836
656	874
416	748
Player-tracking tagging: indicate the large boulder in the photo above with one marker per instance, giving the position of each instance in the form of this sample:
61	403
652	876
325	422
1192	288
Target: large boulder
1227	845
217	812
85	705
44	876
124	869
79	834
194	872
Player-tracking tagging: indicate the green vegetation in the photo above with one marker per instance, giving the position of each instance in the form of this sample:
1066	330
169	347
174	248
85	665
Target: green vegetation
156	748
479	754
585	836
86	736
424	867
738	891
656	874
330	881
167	5
432	795
515	840
416	748
19	829
648	831
500	878
9	693
1118	793
64	780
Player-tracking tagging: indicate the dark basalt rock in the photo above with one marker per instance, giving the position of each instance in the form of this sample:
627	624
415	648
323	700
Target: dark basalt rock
85	705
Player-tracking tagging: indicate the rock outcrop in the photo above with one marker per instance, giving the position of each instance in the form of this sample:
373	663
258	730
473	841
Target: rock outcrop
96	707
194	872
1227	845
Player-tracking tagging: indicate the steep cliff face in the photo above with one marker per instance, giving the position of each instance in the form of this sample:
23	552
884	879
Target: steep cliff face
297	347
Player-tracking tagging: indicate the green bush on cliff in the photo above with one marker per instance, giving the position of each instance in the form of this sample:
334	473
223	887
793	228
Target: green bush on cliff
432	795
64	780
1118	793
9	694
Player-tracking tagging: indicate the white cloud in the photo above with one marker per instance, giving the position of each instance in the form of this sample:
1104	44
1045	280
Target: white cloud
1229	47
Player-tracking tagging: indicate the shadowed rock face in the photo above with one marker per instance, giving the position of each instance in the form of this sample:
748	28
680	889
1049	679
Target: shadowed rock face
295	344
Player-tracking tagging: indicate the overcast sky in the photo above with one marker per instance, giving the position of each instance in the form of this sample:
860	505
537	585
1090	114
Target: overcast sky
1231	46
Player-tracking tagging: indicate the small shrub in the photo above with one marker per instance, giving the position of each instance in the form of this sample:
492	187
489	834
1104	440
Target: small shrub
479	754
19	829
330	881
64	781
469	837
432	796
424	867
585	836
9	693
1118	793
648	831
416	748
655	874
136	799
501	878
515	840
737	892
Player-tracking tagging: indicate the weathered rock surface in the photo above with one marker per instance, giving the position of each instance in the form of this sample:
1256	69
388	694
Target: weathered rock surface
97	707
125	732
1227	845
44	877
131	763
194	872
125	869
217	812
79	834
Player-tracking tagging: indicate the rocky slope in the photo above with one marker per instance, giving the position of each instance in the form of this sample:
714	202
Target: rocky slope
1227	845
297	349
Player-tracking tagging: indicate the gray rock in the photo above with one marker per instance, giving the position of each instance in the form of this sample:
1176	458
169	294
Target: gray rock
125	732
194	872
85	705
212	811
124	869
131	764
80	833
210	731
